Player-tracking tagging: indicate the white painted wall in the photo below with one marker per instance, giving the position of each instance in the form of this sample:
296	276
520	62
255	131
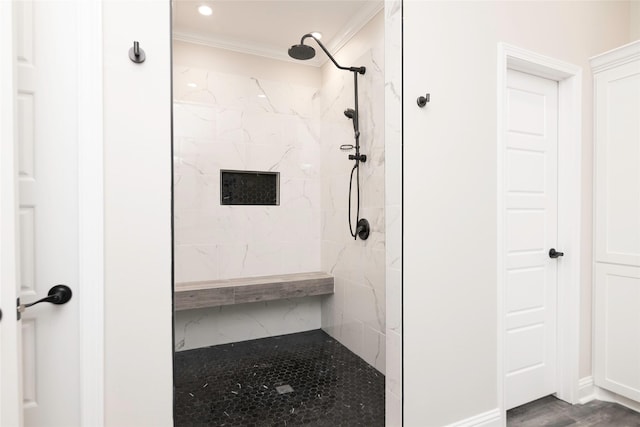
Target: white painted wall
450	311
355	313
634	20
137	167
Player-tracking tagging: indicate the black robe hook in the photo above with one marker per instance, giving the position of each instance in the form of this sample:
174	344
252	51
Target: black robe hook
136	54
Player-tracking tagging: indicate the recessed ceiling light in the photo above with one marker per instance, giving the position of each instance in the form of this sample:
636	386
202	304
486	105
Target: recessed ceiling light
317	35
205	10
192	85
262	95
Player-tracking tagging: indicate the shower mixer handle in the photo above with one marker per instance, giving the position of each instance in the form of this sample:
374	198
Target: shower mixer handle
358	157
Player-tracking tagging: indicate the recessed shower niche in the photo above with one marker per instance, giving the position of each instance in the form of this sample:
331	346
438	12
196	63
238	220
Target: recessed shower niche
247	106
249	188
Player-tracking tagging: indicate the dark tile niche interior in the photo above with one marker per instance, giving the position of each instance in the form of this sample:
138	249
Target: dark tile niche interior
300	379
249	188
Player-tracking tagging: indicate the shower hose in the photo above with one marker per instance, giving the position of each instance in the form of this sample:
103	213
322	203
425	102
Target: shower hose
355	169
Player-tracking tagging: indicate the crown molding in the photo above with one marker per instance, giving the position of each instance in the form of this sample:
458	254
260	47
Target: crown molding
356	23
616	57
343	36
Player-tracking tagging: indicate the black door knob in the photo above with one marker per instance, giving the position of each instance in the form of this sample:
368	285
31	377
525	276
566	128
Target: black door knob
554	254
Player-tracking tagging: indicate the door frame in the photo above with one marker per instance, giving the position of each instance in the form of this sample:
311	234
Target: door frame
569	78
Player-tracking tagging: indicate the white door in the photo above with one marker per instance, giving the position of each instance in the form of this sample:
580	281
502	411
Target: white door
44	96
531	222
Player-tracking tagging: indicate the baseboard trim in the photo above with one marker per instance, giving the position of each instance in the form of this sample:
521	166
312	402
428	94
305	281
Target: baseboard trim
491	418
609	396
586	390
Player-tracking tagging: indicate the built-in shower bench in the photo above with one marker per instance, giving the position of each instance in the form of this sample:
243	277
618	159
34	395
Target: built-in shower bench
214	293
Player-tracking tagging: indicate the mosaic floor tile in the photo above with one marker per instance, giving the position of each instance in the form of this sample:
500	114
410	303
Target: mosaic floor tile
237	384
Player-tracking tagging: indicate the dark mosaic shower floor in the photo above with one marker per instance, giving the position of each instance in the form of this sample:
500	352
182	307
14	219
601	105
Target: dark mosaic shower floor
235	384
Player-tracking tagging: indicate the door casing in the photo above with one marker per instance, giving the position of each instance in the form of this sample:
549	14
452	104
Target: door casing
569	78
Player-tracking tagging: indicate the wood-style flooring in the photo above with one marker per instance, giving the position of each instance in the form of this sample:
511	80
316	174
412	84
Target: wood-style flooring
551	412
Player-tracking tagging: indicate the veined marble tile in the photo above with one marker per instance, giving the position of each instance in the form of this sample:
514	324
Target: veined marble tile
191	85
300	256
195	263
372	190
352	334
194	227
299	193
394	363
229	125
394	236
241	322
201	156
393	200
393	410
373	352
193	120
364	305
263	128
196	192
394	300
335	226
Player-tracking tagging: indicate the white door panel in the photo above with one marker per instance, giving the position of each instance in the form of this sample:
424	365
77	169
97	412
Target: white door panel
617	183
531	230
45	100
617	329
48	198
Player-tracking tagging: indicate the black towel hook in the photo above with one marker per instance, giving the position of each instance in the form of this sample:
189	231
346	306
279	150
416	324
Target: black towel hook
136	54
422	100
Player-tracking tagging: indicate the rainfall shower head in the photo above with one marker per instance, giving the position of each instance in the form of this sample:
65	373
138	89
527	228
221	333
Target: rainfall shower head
302	51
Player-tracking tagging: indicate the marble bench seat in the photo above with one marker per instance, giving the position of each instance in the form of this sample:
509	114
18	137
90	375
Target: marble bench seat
214	293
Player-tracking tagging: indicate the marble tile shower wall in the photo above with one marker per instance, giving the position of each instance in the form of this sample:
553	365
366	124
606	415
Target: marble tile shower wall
355	314
393	201
235	122
230	121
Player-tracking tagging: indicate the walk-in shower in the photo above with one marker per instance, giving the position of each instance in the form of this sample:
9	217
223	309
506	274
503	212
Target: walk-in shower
304	52
280	314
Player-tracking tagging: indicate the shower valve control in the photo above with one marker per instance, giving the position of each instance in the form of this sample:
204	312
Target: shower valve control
358	157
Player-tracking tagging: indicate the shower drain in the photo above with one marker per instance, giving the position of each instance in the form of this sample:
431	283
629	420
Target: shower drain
282	389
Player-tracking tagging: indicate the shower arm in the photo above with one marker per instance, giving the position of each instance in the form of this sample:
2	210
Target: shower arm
360	70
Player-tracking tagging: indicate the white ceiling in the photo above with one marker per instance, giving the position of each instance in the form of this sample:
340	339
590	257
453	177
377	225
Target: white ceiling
269	27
